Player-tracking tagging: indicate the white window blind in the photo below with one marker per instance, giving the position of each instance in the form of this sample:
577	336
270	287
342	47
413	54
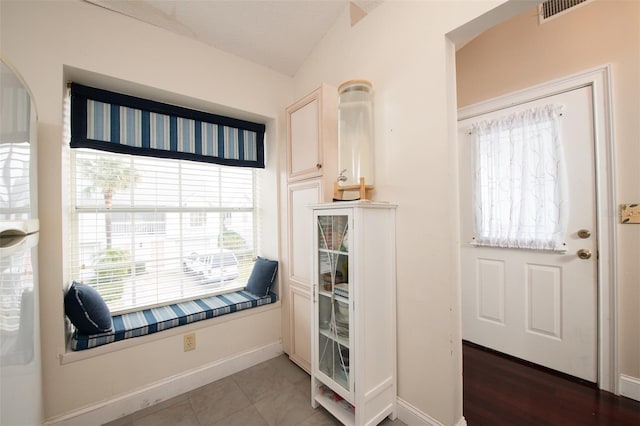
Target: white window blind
148	231
520	194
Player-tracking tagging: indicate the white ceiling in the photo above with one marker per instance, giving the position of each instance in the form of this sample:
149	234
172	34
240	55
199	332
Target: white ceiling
278	34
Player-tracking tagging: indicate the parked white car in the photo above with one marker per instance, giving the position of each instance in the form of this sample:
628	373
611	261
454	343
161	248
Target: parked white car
211	268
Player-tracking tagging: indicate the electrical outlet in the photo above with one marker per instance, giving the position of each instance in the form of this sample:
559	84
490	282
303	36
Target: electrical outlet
189	342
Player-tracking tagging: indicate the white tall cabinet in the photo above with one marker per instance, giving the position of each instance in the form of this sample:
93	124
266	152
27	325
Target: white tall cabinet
354	311
311	159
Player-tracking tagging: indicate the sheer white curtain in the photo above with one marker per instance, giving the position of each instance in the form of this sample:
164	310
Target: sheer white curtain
520	192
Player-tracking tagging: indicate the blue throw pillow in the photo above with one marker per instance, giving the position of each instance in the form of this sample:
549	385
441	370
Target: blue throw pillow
87	310
262	276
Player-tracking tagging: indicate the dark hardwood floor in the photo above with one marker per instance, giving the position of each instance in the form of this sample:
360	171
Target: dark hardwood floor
500	390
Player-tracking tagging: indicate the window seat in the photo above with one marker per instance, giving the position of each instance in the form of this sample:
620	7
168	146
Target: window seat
148	321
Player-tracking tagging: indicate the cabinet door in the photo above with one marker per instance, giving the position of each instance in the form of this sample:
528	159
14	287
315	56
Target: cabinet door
334	308
304	141
300	228
300	326
299	278
312	138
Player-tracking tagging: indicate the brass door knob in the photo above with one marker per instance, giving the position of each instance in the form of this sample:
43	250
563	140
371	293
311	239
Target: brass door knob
584	254
584	233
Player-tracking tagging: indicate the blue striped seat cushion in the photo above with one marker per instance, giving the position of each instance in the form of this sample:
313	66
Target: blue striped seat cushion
141	323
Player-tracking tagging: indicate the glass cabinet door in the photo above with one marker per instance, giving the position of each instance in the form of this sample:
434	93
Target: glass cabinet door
333	298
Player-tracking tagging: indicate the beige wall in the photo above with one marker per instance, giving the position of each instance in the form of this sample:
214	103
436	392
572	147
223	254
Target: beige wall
521	53
401	48
50	41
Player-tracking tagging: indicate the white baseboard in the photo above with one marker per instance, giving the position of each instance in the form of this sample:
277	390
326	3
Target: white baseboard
163	390
411	416
629	387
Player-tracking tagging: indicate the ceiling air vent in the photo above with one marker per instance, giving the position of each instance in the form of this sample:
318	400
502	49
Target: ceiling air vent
552	8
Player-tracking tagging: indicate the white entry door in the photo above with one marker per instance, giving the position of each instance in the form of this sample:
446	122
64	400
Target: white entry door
540	306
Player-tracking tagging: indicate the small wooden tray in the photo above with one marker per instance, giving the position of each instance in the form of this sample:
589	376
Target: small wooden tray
365	190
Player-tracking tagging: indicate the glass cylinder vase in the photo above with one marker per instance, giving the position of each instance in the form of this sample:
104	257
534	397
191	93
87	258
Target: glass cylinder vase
355	132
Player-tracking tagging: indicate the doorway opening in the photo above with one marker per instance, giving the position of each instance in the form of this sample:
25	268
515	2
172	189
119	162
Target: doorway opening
599	80
490	271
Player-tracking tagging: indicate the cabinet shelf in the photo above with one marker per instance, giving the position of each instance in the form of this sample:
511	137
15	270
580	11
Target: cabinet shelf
332	251
328	295
337	409
342	340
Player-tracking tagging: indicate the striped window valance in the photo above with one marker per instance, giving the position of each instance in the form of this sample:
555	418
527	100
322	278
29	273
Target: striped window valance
114	122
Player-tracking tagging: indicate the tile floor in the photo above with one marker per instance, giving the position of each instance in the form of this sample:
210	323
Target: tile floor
275	392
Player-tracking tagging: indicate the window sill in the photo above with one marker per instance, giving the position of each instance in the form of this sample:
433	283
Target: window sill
71	356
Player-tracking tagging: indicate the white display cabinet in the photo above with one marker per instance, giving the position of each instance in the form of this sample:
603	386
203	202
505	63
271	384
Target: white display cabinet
354	311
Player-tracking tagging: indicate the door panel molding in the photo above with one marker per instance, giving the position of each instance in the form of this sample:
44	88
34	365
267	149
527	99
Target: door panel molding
543	284
490	277
599	79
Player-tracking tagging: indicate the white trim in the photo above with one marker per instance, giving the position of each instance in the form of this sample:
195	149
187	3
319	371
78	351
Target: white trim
629	387
411	416
125	404
599	78
462	422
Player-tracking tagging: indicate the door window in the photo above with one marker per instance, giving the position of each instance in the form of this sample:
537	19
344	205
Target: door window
520	198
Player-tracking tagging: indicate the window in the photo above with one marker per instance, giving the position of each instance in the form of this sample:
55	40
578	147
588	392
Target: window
519	181
147	231
198	219
163	202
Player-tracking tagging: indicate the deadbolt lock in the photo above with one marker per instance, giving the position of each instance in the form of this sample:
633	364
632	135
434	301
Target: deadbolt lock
584	233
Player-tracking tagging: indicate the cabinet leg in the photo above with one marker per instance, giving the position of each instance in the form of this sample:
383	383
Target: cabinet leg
314	403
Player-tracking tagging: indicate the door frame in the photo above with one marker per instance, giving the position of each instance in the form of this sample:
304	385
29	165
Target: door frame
599	79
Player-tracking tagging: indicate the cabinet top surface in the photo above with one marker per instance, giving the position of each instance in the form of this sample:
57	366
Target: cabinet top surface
350	204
